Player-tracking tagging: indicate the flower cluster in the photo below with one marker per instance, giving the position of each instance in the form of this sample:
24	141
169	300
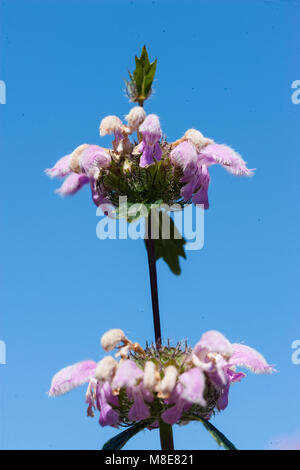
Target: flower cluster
173	384
143	166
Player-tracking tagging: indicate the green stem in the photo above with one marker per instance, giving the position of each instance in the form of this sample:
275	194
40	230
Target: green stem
166	436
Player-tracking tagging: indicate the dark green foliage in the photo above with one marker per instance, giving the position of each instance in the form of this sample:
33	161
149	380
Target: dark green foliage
140	84
215	433
169	249
117	442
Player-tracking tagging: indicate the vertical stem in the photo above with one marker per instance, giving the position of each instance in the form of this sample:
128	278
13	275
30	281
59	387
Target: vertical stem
166	436
165	430
153	283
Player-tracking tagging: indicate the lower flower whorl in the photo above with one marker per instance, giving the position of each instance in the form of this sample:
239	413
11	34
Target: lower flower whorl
173	384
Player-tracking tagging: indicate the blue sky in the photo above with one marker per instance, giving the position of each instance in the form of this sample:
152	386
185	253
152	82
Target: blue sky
225	68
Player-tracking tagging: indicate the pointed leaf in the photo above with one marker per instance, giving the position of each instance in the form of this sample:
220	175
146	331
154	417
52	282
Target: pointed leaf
145	58
139	86
169	249
149	77
219	437
117	442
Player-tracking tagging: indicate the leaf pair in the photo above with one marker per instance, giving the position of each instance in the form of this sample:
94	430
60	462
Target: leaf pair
140	85
118	441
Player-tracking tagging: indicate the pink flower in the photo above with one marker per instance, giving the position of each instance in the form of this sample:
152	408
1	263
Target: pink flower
129	376
173	414
72	184
61	168
143	385
218	358
195	160
71	377
150	147
81	167
108	415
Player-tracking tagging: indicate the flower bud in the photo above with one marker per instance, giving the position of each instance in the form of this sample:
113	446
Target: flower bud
135	117
196	138
106	369
112	338
109	125
151	129
149	375
168	383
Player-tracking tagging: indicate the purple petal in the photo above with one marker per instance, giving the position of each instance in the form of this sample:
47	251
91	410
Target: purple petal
235	376
173	414
147	156
201	196
61	168
108	416
193	383
226	157
217	374
194	183
99	197
71	377
245	356
223	399
139	409
157	152
72	184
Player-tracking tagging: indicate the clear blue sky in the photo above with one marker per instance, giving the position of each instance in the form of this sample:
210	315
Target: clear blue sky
225	68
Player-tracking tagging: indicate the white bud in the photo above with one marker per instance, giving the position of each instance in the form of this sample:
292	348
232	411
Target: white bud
149	375
75	158
197	139
168	383
112	338
135	117
106	369
109	125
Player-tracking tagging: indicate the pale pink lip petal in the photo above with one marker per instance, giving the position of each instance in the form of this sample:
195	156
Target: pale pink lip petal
72	184
127	375
60	169
93	158
226	157
183	155
71	377
244	356
193	383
